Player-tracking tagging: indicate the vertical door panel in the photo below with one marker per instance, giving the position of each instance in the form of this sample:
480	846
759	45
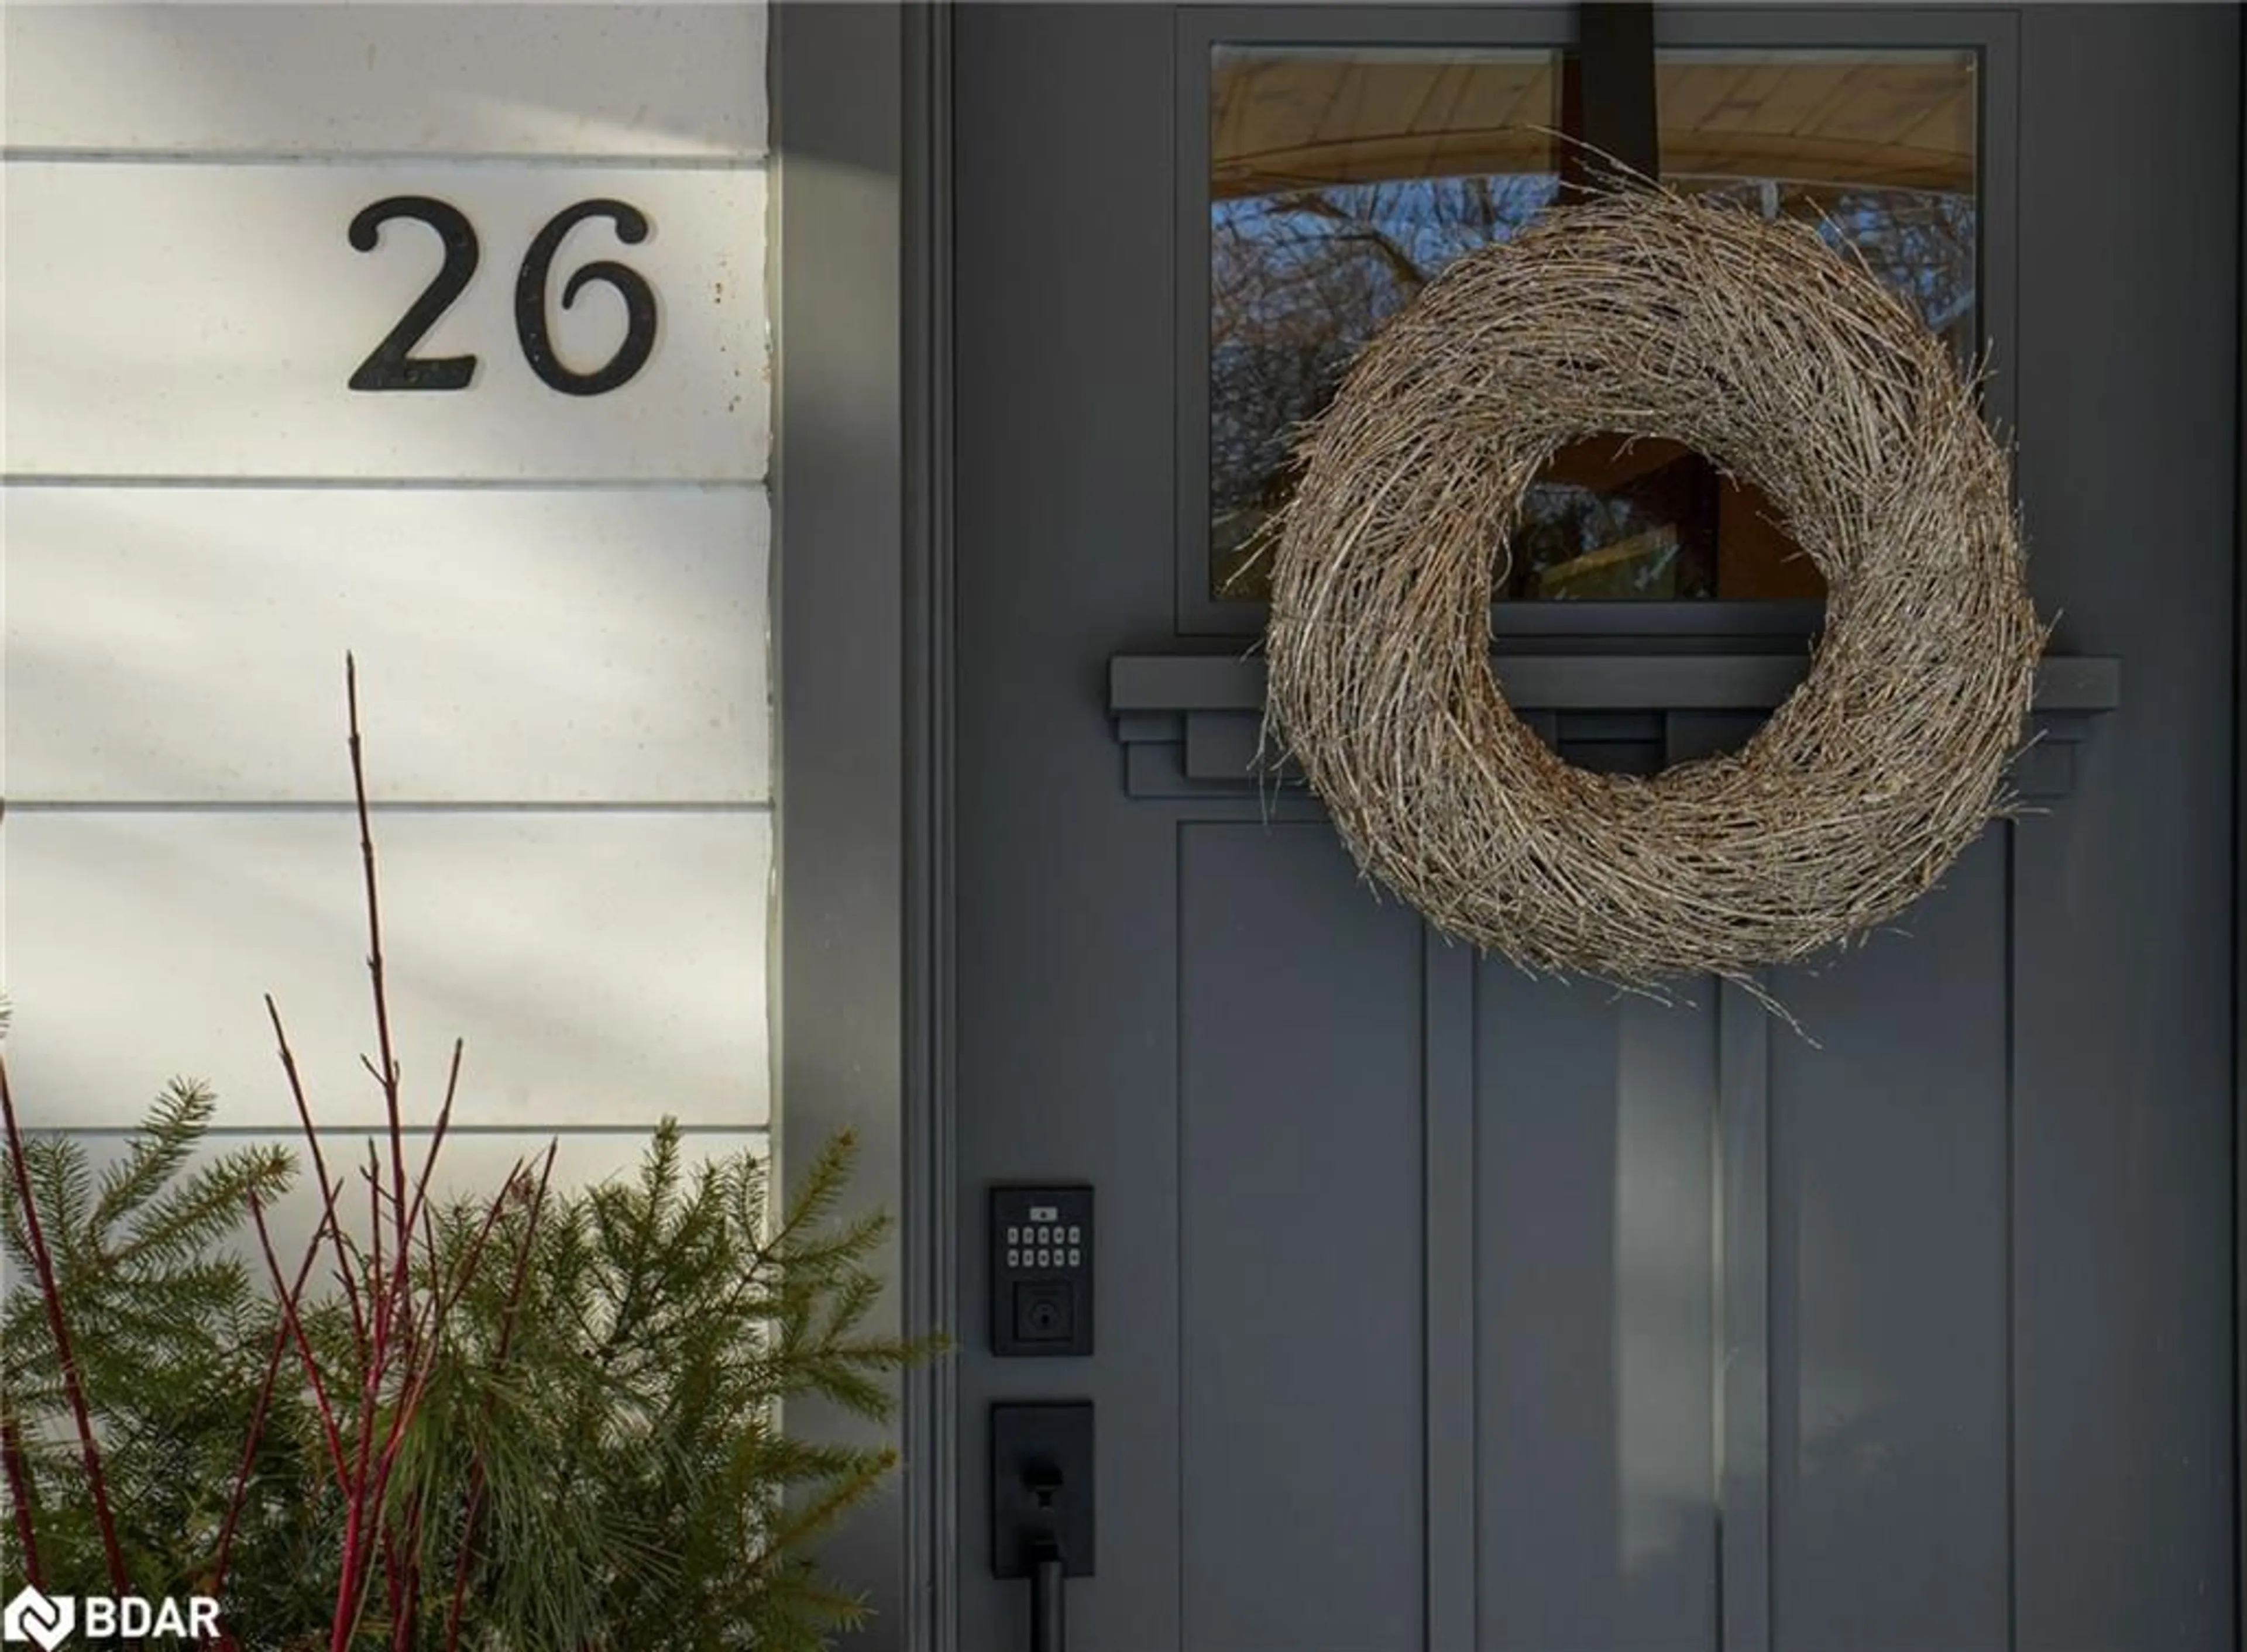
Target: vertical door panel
1890	1303
1299	1265
2126	1518
1066	959
1597	1454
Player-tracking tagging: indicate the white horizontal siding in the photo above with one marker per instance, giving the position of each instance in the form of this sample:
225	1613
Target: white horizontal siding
559	603
605	967
205	321
671	82
516	646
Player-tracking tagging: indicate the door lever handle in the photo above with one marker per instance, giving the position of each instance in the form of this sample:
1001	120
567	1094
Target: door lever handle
1041	1507
1049	1597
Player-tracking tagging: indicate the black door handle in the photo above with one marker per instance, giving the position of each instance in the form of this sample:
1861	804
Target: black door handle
1041	1507
1048	1597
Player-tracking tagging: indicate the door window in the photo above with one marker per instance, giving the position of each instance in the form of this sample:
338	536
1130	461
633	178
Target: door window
1343	179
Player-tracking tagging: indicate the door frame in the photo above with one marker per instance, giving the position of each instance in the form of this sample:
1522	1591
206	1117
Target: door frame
860	95
2239	907
861	272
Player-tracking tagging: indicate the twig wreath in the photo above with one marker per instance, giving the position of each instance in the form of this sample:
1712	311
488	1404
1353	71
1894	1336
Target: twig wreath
1645	313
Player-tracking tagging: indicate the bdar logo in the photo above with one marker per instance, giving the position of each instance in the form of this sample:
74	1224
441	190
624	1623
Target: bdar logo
33	1616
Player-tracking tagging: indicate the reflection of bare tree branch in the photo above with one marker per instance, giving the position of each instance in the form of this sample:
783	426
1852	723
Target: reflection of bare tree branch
1918	243
1358	233
1300	280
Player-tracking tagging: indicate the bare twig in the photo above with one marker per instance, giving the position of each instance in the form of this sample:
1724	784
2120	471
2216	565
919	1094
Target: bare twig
319	1159
19	1500
294	1325
73	1384
282	1341
374	967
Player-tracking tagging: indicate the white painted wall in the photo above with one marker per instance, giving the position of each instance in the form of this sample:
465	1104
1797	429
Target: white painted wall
559	602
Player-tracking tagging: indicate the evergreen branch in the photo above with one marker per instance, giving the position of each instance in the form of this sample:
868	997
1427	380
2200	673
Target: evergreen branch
464	1272
160	1147
58	1322
659	1180
791	1534
823	1186
184	1222
516	1288
424	1322
60	1183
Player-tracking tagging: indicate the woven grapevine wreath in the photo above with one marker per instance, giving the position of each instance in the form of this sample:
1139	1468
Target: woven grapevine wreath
1646	314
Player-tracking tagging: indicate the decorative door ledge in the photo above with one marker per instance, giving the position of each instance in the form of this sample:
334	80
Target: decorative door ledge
1190	724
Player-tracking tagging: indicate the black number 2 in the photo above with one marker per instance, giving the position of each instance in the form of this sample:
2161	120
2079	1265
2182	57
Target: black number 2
390	367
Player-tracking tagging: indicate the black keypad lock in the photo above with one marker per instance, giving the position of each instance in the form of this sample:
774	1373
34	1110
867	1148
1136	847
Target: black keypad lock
1041	1243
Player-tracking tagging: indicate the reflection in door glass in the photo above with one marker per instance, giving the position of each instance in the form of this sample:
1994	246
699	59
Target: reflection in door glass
1343	180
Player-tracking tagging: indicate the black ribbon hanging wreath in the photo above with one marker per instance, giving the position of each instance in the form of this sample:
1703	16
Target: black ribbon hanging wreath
1645	313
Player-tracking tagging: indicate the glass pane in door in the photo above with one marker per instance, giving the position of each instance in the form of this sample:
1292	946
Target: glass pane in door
1343	179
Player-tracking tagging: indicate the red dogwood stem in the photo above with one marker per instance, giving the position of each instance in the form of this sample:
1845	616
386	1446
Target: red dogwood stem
389	1074
295	1327
73	1386
333	1229
19	1497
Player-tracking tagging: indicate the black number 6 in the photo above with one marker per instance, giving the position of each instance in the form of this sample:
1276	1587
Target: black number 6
390	367
631	286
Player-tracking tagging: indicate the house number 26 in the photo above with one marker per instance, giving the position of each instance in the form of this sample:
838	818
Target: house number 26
392	366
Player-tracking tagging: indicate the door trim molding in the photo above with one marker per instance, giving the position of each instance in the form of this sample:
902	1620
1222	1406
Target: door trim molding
2239	910
859	272
931	1280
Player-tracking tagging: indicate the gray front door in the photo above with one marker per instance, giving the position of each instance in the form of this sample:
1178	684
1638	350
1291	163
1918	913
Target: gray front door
1441	1307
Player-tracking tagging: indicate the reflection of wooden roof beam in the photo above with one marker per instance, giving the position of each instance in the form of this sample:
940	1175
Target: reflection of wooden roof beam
1283	121
1813	160
1607	568
1813	194
1382	159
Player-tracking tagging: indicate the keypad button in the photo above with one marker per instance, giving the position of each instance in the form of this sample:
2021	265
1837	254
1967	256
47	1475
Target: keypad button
1075	1256
1076	1233
1045	1259
1013	1258
1013	1236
